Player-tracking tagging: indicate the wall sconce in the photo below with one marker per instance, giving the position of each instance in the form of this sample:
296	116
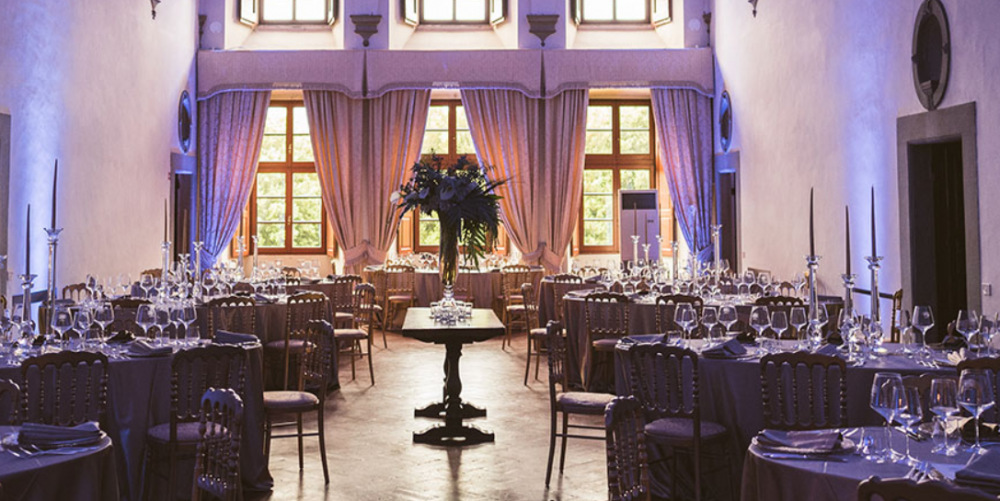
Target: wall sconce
366	25
754	3
542	25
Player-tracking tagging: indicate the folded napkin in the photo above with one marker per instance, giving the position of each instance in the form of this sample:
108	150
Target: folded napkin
956	357
312	281
260	298
643	338
729	349
982	470
226	337
143	348
592	280
828	349
122	337
51	435
808	440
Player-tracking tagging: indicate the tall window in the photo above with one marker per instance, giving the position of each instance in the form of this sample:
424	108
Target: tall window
619	157
286	209
297	11
621	11
453	11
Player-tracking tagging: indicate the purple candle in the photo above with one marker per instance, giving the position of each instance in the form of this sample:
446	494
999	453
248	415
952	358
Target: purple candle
27	244
55	181
847	213
812	235
874	247
164	219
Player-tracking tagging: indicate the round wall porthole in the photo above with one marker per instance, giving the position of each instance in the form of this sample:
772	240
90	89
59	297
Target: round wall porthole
725	122
184	122
931	53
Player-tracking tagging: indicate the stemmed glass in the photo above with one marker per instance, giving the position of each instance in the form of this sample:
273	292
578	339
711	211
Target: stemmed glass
125	285
728	316
760	320
161	313
923	321
967	324
764	282
145	318
83	321
92	285
709	318
943	402
146	283
987	329
175	308
209	282
104	315
910	413
975	394
817	325
799	321
188	315
887	388
686	318
798	282
907	334
779	324
62	321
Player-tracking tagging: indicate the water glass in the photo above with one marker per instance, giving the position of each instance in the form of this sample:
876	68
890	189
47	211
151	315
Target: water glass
886	397
946	436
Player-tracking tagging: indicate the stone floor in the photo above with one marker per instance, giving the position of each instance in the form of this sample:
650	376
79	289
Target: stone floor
369	435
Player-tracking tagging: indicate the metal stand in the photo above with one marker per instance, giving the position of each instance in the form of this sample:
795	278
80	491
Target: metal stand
53	234
812	262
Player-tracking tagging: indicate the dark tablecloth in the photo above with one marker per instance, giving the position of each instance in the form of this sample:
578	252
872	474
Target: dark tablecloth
89	475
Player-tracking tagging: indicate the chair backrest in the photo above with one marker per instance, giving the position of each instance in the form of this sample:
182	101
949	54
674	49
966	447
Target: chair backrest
196	370
303	307
530	305
217	460
628	466
243	289
399	279
796	396
232	313
378	279
901	489
897	306
65	388
786	289
665	304
992	366
363	306
555	345
156	272
10	400
128	303
567	278
923	385
293	281
76	292
511	278
343	292
291	272
606	315
664	380
562	285
778	301
314	369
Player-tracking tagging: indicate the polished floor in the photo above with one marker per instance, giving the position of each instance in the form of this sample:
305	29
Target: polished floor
369	435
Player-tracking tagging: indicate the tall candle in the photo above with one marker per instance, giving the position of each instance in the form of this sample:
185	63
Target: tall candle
55	181
165	220
812	233
847	212
874	247
27	244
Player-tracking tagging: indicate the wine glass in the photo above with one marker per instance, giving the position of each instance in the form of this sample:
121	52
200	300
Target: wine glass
910	413
760	320
61	322
104	315
188	316
987	330
907	334
709	318
83	321
124	285
779	324
799	321
209	282
146	283
684	316
923	321
92	285
161	315
885	400
145	317
822	317
175	308
728	316
967	324
943	402
975	394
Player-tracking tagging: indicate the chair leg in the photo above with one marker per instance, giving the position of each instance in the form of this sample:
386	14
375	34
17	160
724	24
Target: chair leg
299	423
172	476
146	466
538	358
565	432
288	356
697	474
354	352
527	363
552	448
267	438
371	368
322	444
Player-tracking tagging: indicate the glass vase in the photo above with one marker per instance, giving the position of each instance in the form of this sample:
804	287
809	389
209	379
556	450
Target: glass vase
448	252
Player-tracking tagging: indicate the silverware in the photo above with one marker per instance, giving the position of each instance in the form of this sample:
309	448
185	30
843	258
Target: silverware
804	457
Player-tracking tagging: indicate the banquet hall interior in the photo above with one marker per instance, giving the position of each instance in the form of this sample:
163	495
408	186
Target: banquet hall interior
664	249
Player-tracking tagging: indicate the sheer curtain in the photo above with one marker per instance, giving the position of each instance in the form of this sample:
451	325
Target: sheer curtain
363	149
538	145
683	121
230	131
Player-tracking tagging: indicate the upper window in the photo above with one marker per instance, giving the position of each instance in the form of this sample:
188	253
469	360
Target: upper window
621	11
619	156
454	11
297	11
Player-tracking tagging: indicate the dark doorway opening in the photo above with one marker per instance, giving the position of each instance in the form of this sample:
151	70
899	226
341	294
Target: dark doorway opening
938	230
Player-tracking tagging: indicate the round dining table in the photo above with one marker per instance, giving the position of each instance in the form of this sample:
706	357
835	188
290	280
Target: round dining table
89	473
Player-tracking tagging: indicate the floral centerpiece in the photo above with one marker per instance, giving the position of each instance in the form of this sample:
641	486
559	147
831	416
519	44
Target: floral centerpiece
469	212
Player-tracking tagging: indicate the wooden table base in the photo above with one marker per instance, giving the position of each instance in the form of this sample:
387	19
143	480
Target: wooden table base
454	411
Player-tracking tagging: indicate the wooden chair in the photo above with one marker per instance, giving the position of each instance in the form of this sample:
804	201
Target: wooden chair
607	321
628	466
342	301
360	326
128	303
536	334
156	272
217	455
992	366
400	291
901	489
192	373
293	281
786	289
301	309
314	371
378	279
291	272
665	304
803	409
65	388
897	306
778	301
562	284
567	402
233	313
511	279
463	284
10	392
665	380
76	292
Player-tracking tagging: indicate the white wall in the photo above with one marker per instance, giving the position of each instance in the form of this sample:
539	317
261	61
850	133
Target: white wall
96	85
816	89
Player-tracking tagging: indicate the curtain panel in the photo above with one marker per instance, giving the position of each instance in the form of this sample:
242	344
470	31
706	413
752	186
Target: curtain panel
230	132
683	120
363	149
538	146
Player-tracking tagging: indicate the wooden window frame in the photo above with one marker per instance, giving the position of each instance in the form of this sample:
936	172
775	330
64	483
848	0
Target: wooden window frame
330	8
617	162
485	21
288	167
578	14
